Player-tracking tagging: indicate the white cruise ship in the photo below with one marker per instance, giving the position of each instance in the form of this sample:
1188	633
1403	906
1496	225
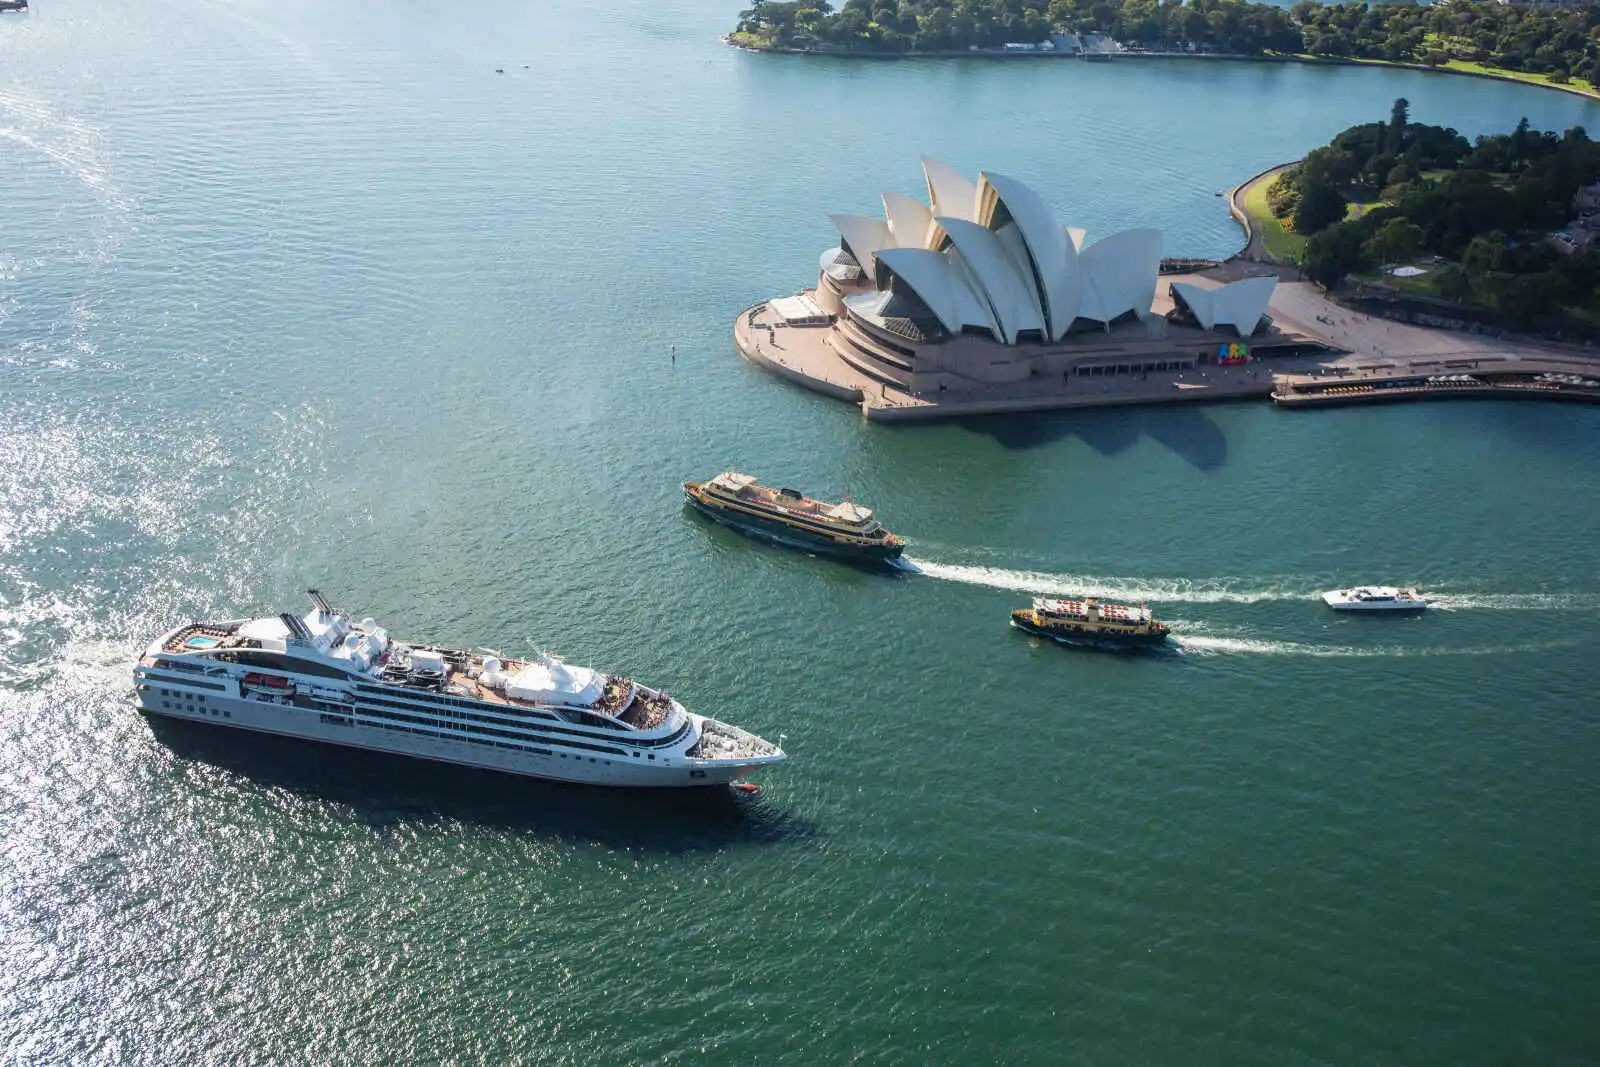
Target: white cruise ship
1374	598
323	678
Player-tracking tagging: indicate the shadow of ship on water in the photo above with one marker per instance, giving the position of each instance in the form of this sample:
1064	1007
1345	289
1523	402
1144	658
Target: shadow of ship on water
387	790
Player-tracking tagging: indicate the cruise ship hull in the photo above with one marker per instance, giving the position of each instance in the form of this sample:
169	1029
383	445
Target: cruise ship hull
289	720
780	533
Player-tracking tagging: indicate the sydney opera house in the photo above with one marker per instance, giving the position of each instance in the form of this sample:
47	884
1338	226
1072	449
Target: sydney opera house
984	288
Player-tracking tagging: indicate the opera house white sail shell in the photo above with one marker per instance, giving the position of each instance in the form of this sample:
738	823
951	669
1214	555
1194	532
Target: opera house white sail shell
1239	304
992	256
981	297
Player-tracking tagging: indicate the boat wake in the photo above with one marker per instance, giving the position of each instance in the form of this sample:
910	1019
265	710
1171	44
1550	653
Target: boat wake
1207	645
1220	590
1514	601
100	663
1163	590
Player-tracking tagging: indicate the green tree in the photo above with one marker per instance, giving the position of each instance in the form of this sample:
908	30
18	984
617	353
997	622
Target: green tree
1454	283
1395	242
1321	205
1399	115
1525	298
1334	253
1519	142
1485	253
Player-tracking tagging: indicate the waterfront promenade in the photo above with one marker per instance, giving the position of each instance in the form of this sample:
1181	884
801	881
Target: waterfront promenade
1255	242
1353	345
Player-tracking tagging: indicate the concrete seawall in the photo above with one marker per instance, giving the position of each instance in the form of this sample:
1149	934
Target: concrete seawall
1255	245
1352	349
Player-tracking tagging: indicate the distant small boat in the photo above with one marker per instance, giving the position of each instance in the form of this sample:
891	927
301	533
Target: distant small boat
790	518
1090	623
13	5
1374	598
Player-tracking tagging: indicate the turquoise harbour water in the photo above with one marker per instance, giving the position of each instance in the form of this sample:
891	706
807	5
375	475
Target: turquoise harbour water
305	294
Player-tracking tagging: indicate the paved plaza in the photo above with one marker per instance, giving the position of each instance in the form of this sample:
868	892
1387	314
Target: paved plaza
1357	344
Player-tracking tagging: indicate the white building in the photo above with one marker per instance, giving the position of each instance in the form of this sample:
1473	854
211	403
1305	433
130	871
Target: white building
983	286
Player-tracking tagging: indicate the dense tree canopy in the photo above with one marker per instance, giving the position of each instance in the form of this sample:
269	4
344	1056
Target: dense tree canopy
1561	44
946	25
1487	207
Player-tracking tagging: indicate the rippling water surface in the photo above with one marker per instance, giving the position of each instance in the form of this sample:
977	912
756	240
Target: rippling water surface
298	294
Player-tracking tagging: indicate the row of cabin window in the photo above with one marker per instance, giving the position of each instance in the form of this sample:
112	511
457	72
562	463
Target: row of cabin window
599	720
496	744
196	705
463	714
434	722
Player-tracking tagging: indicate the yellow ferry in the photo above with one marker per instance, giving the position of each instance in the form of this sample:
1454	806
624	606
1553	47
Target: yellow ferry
1087	621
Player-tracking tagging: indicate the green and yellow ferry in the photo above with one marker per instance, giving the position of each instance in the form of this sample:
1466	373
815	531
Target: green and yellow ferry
1089	622
789	518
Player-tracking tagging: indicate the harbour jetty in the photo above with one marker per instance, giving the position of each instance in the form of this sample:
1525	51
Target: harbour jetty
1541	379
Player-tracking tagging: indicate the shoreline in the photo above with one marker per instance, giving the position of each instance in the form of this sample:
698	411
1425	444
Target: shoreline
1255	242
1324	347
1310	61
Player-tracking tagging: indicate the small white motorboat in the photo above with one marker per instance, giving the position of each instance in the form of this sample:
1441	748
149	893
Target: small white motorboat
1374	598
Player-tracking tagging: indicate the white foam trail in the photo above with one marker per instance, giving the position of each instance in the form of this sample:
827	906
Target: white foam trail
1248	645
1514	601
102	663
1168	590
1203	645
1218	590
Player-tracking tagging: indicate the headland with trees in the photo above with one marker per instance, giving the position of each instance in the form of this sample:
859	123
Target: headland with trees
1508	224
1558	47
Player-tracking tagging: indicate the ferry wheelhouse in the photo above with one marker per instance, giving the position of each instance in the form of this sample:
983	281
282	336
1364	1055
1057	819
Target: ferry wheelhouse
791	518
1087	621
322	677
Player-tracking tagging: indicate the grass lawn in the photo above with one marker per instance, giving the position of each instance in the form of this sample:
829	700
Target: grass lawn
1280	244
1461	65
1519	75
1422	284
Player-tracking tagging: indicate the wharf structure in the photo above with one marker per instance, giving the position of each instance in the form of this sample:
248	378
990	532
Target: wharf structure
1523	379
981	300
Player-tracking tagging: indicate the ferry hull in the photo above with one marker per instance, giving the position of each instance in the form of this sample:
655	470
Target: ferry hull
287	720
1106	641
780	534
1339	602
1381	609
